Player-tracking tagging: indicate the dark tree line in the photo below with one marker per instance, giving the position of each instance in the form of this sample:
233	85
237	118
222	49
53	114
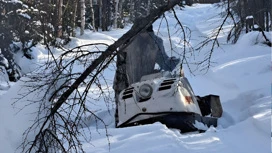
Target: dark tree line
249	12
250	15
18	23
53	22
259	10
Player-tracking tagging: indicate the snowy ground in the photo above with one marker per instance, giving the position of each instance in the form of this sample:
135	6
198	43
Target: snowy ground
240	75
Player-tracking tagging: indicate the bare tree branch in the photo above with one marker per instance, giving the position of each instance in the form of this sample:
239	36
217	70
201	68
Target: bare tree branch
206	63
97	65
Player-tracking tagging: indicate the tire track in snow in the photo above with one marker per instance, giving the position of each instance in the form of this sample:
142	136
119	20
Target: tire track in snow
231	63
259	116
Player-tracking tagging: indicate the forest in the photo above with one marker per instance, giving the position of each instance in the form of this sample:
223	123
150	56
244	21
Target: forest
53	22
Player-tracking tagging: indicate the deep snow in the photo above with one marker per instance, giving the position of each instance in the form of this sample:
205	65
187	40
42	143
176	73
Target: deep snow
240	74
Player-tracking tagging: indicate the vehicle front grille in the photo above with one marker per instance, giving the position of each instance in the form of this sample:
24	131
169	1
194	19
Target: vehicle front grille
128	93
166	84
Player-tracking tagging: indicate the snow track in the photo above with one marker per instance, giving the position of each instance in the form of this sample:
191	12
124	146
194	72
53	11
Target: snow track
239	61
241	78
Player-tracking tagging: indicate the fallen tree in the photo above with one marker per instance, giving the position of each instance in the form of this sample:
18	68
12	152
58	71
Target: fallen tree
40	143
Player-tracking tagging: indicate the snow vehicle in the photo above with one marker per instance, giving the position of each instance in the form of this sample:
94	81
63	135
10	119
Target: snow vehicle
169	99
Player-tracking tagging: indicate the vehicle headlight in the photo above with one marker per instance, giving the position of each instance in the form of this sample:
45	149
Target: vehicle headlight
145	91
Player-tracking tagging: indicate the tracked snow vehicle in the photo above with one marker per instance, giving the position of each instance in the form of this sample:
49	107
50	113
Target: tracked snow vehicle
169	99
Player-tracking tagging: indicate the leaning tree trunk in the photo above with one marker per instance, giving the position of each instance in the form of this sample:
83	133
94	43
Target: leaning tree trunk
140	25
82	16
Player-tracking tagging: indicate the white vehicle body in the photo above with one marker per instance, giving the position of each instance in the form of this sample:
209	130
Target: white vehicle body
154	96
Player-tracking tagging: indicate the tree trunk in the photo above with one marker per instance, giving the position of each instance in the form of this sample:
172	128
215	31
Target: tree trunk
100	13
262	14
148	6
106	10
74	17
266	20
116	14
270	19
270	13
92	15
82	16
120	21
131	11
59	28
267	14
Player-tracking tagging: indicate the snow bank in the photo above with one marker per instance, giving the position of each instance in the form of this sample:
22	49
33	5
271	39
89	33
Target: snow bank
16	117
240	75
